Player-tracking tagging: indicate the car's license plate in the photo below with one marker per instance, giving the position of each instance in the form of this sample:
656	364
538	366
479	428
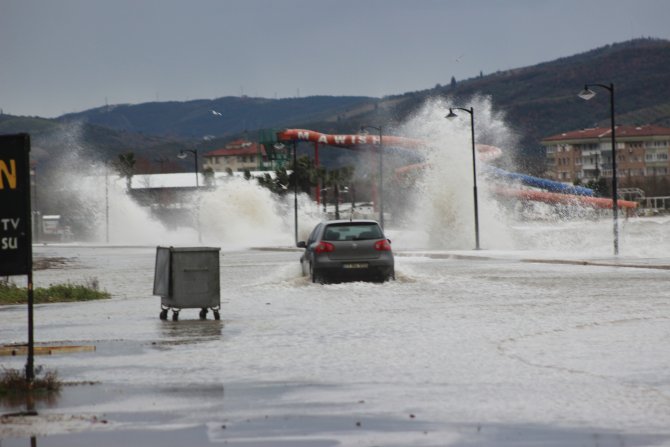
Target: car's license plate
355	265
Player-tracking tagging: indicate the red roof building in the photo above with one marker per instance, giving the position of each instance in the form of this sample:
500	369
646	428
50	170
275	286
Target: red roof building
585	155
238	155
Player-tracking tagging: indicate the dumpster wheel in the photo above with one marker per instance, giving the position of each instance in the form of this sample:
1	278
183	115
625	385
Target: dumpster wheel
164	313
215	312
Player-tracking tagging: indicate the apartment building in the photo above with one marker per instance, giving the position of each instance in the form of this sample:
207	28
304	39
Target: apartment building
586	155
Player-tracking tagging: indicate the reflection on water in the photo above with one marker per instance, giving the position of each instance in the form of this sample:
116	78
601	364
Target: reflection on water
189	331
30	400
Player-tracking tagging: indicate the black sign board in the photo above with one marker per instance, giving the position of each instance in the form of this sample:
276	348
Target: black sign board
16	254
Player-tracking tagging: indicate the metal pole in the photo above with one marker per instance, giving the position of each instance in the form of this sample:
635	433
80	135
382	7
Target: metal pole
474	176
324	198
35	214
197	199
317	193
381	179
197	188
295	191
107	202
30	365
615	198
587	94
197	182
380	197
451	115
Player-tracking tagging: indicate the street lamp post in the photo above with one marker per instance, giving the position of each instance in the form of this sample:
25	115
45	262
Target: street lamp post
107	202
381	172
182	155
36	215
281	146
587	94
295	190
452	115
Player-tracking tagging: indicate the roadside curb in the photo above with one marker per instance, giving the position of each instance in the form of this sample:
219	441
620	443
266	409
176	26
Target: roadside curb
597	264
535	260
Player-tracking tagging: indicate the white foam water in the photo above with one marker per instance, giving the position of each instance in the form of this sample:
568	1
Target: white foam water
443	205
443	202
438	214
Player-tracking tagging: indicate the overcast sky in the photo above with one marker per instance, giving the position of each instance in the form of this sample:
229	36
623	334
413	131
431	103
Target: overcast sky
61	56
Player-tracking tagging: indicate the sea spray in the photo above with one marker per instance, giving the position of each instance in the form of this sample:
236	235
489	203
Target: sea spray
95	204
443	201
437	212
241	213
90	198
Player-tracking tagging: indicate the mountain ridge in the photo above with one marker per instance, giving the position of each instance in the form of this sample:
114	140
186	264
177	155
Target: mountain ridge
537	100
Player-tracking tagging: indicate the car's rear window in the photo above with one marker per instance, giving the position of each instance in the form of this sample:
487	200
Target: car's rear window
352	232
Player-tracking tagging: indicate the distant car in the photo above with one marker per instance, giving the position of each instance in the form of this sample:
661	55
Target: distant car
347	249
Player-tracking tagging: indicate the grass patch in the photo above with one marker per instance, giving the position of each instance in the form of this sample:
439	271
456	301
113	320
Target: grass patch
57	293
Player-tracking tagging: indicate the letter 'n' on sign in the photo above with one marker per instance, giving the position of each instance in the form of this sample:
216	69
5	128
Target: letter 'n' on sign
7	174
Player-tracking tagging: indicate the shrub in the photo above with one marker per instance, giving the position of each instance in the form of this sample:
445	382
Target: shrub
14	380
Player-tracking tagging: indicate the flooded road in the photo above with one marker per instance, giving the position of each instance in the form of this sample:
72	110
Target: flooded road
484	349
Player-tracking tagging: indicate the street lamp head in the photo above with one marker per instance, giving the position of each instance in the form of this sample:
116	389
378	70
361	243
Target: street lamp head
587	93
183	153
451	115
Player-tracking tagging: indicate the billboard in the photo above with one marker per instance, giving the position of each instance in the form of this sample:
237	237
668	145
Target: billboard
15	224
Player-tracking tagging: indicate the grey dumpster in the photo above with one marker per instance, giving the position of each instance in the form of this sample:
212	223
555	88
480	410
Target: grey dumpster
187	278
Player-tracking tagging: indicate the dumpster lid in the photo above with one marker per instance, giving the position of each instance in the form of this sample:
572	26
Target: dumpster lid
195	249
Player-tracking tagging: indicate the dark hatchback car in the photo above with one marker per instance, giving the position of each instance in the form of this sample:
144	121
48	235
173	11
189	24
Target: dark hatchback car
347	249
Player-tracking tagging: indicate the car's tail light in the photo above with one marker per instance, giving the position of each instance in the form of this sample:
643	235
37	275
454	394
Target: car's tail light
324	247
383	245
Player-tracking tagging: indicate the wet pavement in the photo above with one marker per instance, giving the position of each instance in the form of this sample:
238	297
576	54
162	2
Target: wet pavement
464	348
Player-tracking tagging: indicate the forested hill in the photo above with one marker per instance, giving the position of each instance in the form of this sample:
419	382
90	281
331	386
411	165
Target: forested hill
538	101
541	100
219	117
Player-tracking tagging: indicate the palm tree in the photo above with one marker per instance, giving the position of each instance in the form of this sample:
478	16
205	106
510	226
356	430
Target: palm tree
125	166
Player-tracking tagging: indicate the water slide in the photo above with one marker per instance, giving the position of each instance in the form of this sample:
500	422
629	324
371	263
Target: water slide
536	182
347	141
484	151
552	192
563	199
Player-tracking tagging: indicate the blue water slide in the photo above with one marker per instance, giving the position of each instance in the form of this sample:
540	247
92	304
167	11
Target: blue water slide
536	182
